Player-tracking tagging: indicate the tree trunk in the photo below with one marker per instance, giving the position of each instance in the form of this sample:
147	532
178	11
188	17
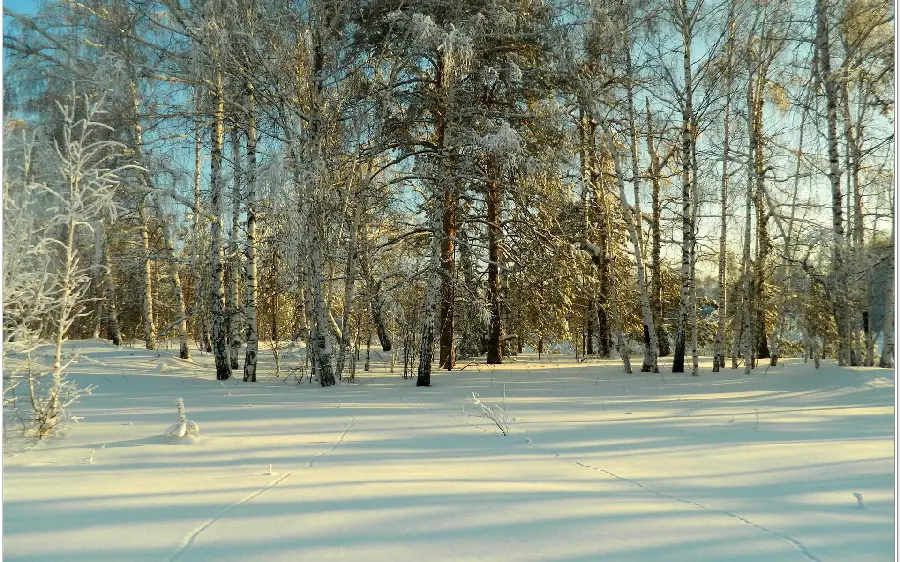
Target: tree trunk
887	350
687	115
97	279
589	328
234	258
633	222
147	294
448	277
448	232
494	351
180	313
824	78
321	338
147	301
662	336
650	349
426	344
762	233
349	286
201	327
746	339
250	250
112	317
719	353
219	338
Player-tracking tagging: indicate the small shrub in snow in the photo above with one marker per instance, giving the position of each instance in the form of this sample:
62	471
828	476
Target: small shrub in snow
183	426
494	412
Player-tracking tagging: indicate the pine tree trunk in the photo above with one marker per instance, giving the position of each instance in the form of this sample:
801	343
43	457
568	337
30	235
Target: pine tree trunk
219	327
448	288
589	328
251	282
494	351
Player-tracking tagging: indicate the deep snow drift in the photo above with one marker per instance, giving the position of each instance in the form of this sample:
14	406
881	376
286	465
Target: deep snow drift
598	465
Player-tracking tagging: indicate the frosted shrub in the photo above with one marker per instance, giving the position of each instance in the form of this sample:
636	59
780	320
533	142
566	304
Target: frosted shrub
183	426
494	412
53	190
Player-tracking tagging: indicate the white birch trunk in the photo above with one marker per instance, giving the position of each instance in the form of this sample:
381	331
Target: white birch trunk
651	346
687	187
651	351
201	330
234	257
426	343
719	353
219	337
250	249
349	286
97	279
147	297
180	313
147	302
824	78
322	341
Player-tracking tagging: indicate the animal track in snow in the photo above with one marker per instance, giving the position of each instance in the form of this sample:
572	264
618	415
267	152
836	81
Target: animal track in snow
803	550
188	540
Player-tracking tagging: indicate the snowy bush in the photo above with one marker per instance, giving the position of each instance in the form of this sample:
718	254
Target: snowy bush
183	426
494	412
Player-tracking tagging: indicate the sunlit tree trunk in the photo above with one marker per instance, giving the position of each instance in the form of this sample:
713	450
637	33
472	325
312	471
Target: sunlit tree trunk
233	268
180	313
201	326
219	326
687	187
662	336
146	266
719	353
494	351
825	79
650	349
252	351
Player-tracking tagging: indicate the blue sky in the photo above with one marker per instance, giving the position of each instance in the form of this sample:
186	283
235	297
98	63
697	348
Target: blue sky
21	6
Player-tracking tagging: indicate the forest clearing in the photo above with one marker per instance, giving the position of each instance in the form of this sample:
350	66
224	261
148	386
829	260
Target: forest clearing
597	465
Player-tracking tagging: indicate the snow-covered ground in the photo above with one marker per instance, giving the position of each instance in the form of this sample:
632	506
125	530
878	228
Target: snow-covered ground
598	465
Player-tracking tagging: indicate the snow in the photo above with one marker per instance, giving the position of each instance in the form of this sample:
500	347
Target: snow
785	464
